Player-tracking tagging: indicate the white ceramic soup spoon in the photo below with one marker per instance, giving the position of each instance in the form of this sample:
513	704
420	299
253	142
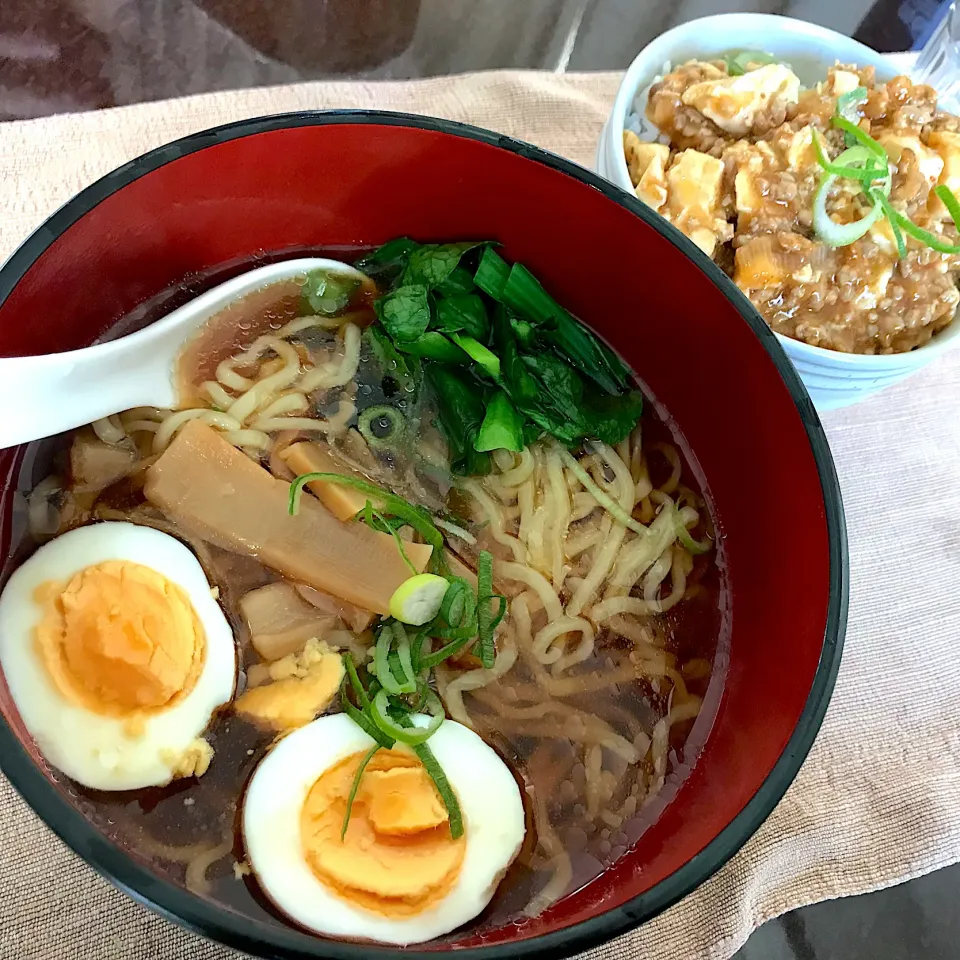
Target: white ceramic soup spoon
60	391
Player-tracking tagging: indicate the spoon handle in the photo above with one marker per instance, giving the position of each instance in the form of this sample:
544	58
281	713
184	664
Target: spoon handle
61	391
49	394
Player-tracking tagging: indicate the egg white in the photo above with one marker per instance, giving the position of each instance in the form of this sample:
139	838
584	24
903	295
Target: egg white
492	814
91	748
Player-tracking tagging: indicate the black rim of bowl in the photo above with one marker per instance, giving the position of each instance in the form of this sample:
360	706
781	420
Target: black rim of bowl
259	938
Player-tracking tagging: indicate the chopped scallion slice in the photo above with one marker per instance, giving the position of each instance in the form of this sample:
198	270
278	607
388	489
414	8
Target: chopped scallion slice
849	103
924	236
867	172
890	214
382	426
835	234
355	786
414	728
355	684
382	667
848	126
364	722
449	798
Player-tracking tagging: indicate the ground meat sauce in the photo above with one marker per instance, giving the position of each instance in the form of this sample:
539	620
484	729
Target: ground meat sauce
859	298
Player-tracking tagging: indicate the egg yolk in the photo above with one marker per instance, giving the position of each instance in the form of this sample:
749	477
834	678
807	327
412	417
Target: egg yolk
397	857
120	638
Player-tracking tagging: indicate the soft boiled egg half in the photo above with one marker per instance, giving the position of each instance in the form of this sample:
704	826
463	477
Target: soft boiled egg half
116	655
397	875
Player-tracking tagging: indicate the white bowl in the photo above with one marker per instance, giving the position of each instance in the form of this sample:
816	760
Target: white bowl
833	379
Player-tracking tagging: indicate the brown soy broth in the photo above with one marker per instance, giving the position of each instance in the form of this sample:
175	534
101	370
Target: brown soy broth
201	813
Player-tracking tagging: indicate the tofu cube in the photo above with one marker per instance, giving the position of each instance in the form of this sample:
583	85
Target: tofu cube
947	147
734	103
694	183
929	161
840	81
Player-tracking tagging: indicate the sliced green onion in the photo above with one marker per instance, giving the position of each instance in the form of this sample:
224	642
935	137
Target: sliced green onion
835	234
417	649
396	426
454	609
492	273
890	213
439	778
327	291
412	515
848	126
403	654
381	663
480	354
696	547
355	786
866	173
485	624
849	103
737	63
950	202
924	236
365	723
412	733
355	684
444	653
397	540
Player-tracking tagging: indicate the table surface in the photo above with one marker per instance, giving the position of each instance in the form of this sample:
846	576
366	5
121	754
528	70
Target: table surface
67	55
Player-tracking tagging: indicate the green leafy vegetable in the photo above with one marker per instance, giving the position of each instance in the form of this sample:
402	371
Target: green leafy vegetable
481	355
459	282
516	378
405	313
611	419
327	292
559	406
463	312
435	346
432	263
461	408
386	263
524	331
405	370
524	294
524	369
492	273
502	427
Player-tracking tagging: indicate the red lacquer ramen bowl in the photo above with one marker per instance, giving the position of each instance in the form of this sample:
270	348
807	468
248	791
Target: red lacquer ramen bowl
325	179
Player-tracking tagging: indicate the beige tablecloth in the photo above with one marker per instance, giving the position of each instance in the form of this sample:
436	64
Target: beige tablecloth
878	800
